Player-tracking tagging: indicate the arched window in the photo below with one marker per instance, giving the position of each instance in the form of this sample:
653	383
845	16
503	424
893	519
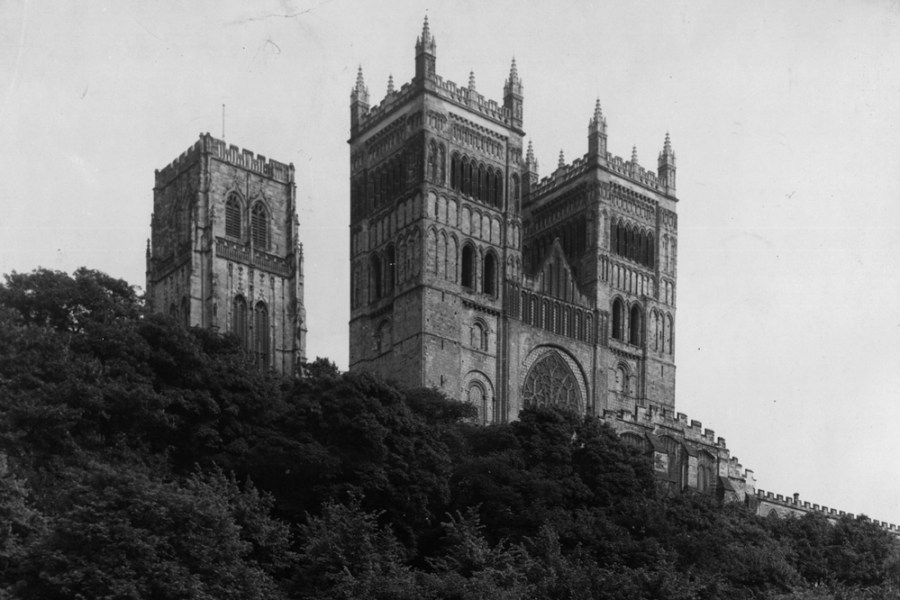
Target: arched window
468	267
515	185
374	277
635	325
239	319
618	319
479	337
261	334
390	270
489	275
454	171
259	224
476	395
233	217
550	382
466	176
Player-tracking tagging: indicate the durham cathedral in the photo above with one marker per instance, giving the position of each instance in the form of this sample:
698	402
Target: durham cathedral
469	273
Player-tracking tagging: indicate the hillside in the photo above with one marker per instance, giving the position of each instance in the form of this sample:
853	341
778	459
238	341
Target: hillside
141	459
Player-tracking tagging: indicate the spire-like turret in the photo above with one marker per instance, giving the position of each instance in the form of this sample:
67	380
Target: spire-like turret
472	81
426	53
634	158
513	95
359	102
531	170
390	87
562	160
666	166
597	135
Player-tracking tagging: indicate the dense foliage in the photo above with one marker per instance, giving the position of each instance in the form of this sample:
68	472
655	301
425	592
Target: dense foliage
140	459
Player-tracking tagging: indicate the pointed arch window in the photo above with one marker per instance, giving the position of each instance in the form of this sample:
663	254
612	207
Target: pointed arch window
489	276
239	319
635	326
233	217
374	277
261	336
618	319
468	267
550	382
391	268
259	224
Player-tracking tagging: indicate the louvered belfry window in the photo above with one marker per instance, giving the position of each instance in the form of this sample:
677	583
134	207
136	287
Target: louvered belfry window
233	217
259	224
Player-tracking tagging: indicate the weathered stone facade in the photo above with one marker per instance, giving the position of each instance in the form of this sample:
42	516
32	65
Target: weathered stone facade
471	274
224	251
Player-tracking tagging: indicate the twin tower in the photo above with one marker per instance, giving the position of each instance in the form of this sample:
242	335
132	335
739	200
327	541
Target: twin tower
471	274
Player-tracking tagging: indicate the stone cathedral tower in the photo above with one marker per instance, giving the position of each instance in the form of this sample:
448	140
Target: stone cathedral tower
224	251
471	274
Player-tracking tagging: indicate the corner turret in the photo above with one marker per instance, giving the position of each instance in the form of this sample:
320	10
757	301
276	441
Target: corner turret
666	164
597	136
513	96
359	102
426	54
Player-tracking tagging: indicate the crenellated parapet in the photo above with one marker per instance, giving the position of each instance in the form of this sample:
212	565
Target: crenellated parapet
788	506
685	454
231	154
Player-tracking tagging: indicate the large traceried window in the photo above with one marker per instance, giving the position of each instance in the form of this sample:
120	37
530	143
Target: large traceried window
259	224
550	382
261	334
233	217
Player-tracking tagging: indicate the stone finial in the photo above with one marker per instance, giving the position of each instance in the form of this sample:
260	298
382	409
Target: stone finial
390	86
360	81
598	112
529	154
513	72
471	81
634	157
562	159
360	93
426	32
667	145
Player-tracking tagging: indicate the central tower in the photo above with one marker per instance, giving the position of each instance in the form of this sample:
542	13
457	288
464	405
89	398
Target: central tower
435	199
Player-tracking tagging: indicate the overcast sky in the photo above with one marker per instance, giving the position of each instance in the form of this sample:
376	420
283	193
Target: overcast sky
784	117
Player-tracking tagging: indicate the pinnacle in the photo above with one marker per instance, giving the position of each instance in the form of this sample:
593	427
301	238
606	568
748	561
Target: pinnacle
562	159
472	81
513	71
598	112
360	82
529	155
667	146
634	157
390	84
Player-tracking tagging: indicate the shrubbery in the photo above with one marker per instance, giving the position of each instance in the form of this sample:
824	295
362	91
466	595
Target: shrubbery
140	459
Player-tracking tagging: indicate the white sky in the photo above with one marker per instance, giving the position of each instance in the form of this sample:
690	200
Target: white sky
784	117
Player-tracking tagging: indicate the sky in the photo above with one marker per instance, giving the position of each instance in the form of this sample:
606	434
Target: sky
784	116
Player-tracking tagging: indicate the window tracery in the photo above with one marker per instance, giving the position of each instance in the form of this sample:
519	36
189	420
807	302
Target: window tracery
550	382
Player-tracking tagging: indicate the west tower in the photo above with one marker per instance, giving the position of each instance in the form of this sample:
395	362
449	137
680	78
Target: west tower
224	250
435	194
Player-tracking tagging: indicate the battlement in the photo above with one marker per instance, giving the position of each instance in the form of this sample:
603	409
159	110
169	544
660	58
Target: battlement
230	154
445	89
626	168
797	506
660	416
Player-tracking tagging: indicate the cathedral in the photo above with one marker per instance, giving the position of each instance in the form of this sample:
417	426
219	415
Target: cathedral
473	275
225	251
469	273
